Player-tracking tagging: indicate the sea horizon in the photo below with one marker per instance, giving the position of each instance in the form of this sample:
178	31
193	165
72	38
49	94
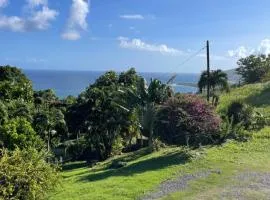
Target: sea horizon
73	82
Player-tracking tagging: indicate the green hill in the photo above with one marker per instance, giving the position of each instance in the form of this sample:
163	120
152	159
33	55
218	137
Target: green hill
234	170
257	95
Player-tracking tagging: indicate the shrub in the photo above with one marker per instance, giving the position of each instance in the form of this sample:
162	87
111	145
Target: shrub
117	146
116	164
18	132
229	130
157	145
240	112
187	119
25	175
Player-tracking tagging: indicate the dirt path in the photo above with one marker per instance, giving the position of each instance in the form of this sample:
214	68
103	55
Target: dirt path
248	185
175	185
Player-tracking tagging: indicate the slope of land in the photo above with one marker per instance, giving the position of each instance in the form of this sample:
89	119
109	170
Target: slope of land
232	171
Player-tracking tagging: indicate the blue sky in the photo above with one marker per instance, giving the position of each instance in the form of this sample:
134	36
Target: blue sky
150	35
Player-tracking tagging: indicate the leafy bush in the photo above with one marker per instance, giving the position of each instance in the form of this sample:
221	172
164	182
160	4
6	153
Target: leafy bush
240	112
187	119
116	164
157	145
25	175
117	146
18	132
230	130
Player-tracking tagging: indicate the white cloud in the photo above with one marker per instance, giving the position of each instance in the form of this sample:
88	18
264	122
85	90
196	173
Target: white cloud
37	19
135	17
3	3
242	51
34	3
138	44
264	47
77	19
41	19
71	35
13	23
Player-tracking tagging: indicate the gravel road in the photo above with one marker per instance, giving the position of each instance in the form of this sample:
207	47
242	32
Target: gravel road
246	185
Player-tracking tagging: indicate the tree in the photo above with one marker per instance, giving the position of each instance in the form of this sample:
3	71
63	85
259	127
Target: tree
104	120
18	132
147	121
253	68
20	108
3	113
218	81
145	99
50	125
14	84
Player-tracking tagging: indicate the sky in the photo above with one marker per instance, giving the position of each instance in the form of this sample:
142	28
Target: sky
150	35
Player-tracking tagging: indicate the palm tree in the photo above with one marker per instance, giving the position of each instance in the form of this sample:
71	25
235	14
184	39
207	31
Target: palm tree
147	121
218	80
145	99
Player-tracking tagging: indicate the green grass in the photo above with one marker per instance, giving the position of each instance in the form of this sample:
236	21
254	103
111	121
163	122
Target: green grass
232	160
145	172
257	95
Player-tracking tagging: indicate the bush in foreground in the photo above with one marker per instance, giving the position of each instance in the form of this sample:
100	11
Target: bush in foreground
25	175
187	120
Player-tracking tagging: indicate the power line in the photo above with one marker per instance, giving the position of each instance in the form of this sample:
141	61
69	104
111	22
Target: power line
174	74
190	57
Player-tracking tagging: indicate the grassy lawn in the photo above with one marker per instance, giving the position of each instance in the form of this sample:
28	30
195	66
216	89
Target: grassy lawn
234	160
239	165
146	171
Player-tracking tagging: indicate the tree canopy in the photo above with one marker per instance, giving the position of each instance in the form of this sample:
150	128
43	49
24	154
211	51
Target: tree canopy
254	68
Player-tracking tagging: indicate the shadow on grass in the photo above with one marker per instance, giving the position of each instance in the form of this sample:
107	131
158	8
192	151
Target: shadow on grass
74	165
260	99
151	164
128	157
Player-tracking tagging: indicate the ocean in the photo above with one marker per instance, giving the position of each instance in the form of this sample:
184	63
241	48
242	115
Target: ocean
66	83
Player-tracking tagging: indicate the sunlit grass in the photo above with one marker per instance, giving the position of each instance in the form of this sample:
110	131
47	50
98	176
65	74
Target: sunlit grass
145	172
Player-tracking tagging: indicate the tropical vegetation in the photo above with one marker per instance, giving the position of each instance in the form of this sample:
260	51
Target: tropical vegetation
115	126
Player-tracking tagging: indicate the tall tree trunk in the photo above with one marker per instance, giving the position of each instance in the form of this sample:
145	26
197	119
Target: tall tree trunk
150	139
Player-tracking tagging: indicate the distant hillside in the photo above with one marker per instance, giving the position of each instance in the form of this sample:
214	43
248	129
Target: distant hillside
233	76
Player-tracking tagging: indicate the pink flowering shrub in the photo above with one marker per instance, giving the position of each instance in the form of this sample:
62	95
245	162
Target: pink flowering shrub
187	120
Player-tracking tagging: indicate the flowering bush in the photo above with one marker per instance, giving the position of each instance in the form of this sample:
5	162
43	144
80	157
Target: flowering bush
187	119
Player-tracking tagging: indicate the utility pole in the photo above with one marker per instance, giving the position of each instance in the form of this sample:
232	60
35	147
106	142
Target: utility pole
208	70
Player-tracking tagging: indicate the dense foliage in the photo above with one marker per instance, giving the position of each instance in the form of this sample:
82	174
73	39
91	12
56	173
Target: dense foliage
254	68
14	84
187	120
24	170
18	132
117	113
25	175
